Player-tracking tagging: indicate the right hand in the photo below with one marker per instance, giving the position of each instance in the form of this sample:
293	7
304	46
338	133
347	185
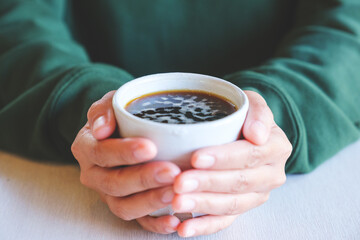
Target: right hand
118	169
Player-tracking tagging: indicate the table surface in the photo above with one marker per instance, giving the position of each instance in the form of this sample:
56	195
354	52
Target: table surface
44	201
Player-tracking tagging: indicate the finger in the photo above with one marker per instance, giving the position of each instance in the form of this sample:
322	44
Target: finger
129	180
204	225
163	225
243	154
123	151
236	155
218	204
140	204
281	145
101	117
262	179
112	152
259	119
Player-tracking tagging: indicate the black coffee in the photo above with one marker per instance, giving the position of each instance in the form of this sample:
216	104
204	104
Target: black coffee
181	107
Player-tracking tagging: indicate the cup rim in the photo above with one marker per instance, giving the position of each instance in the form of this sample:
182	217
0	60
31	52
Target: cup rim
148	78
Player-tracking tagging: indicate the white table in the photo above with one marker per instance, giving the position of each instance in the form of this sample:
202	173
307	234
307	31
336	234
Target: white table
43	201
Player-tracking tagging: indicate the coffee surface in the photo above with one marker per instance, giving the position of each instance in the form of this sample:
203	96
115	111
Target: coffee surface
181	107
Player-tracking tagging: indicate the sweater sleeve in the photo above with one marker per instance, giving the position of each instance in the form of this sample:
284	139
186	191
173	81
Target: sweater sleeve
47	81
312	83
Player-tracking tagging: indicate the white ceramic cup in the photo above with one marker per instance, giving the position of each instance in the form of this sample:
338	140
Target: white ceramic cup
176	142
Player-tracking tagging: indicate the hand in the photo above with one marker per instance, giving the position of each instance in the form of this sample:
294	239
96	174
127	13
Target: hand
117	169
233	178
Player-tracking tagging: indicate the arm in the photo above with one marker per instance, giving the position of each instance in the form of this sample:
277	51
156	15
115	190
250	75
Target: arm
47	85
47	80
312	87
312	83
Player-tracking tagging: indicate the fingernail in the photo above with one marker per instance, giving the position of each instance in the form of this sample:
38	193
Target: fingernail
98	123
169	230
141	153
166	175
204	161
187	205
174	222
259	128
190	185
189	232
168	196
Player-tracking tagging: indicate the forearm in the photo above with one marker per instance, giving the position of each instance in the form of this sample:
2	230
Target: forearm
47	81
312	82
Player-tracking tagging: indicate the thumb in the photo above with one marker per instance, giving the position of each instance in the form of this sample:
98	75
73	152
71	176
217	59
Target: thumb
259	120
101	117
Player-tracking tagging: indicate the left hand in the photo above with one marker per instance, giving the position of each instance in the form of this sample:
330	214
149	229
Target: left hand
233	178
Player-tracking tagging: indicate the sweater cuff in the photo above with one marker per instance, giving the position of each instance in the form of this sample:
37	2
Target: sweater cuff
286	115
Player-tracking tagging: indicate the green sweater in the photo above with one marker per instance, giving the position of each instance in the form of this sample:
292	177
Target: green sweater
57	57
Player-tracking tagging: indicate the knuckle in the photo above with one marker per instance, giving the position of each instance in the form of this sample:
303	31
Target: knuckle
241	184
285	151
279	181
92	110
84	180
255	156
95	153
225	156
79	144
268	113
122	213
258	97
260	104
145	181
262	110
264	198
233	207
288	149
155	200
75	149
209	183
108	96
128	159
206	181
108	186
